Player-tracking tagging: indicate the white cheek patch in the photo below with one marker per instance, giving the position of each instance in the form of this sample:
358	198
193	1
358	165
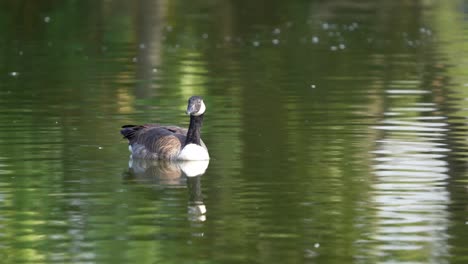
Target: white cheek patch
202	109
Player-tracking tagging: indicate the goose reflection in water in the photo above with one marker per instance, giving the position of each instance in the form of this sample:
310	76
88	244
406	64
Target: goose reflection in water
173	174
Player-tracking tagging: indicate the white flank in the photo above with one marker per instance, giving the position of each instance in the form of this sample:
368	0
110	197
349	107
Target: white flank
193	168
193	152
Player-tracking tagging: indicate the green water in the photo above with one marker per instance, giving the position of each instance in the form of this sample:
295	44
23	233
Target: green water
337	131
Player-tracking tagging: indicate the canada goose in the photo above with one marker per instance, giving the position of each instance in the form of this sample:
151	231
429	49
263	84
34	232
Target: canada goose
154	141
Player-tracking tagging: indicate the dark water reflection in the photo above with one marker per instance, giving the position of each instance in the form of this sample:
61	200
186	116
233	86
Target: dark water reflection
337	132
167	174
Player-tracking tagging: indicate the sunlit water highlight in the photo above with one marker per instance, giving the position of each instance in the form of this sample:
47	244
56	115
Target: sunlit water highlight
411	195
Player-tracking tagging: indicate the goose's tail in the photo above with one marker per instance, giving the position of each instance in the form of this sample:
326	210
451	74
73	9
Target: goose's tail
128	131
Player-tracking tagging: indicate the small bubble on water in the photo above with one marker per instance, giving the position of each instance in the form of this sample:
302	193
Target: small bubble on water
312	86
342	46
14	74
276	31
99	147
333	48
20	53
256	43
316	245
47	19
142	46
205	35
325	26
315	39
134	59
155	70
275	41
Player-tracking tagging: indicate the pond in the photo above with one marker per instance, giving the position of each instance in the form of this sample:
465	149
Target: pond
337	131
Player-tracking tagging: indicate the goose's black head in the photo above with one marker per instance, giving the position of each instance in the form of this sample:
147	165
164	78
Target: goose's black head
196	107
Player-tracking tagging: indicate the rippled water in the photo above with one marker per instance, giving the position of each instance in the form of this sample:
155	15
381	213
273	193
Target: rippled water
337	131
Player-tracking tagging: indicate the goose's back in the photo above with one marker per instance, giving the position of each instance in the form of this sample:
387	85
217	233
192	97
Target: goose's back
154	141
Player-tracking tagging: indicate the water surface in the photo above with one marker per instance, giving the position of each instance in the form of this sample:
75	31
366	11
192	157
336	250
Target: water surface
337	132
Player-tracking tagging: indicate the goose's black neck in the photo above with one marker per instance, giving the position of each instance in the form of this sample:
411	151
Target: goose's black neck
193	133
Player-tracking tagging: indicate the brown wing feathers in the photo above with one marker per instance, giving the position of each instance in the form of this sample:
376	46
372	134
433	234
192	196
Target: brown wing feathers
163	141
